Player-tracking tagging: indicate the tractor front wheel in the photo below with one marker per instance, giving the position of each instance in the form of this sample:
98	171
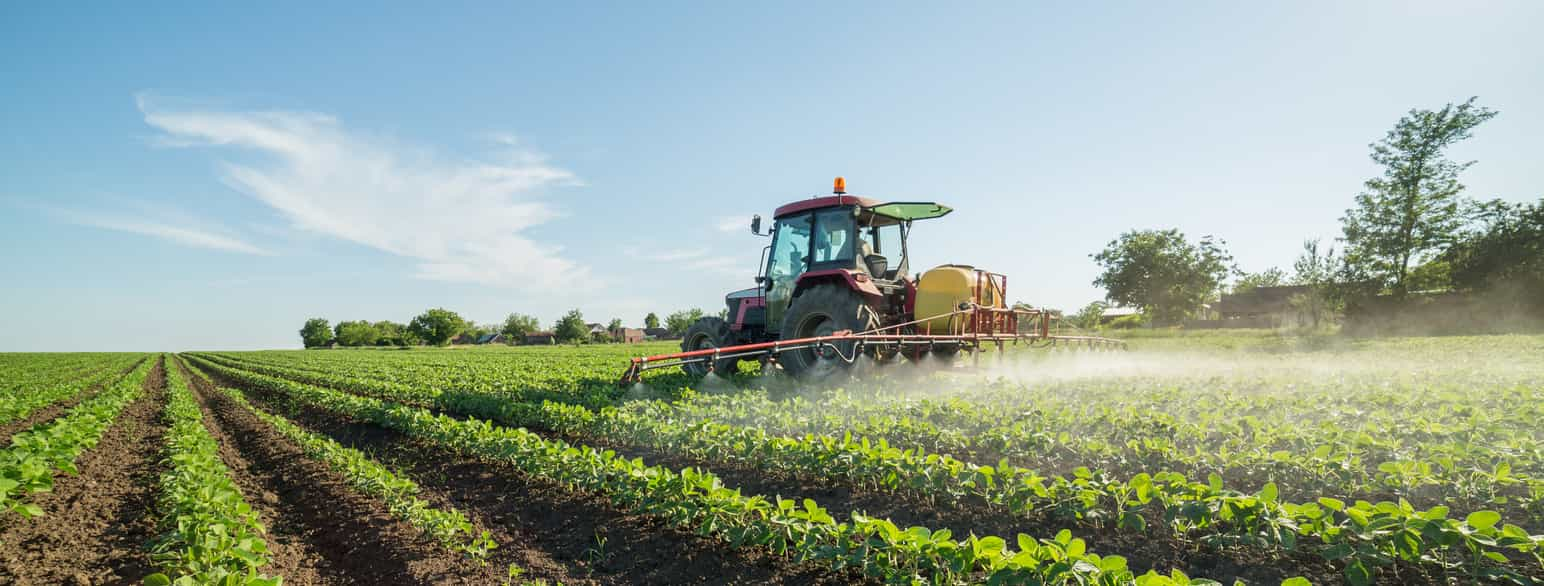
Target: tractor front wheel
824	310
709	332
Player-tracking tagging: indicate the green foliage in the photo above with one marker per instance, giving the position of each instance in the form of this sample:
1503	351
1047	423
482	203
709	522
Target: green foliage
571	328
356	333
679	321
1271	277
1505	250
516	326
390	333
316	333
1162	272
651	321
614	326
449	526
35	455
209	534
1412	210
1088	317
437	326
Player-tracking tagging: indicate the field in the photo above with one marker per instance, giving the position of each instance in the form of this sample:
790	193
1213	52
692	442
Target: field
1238	456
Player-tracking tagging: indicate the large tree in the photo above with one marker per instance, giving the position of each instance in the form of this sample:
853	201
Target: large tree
390	333
651	321
1319	271
1271	277
437	326
516	326
1413	208
1505	249
678	322
315	333
1162	272
356	333
571	328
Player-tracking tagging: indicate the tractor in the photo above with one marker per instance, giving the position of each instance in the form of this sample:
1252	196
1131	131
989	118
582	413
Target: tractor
834	283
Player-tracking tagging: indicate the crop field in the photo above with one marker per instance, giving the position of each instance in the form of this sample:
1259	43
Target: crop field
1240	456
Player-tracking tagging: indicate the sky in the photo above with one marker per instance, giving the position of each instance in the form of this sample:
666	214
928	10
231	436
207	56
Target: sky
185	175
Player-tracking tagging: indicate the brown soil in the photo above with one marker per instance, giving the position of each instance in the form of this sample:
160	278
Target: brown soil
567	523
97	523
48	413
322	531
508	554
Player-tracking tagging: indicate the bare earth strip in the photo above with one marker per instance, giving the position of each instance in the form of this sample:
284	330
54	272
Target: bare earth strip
567	524
97	523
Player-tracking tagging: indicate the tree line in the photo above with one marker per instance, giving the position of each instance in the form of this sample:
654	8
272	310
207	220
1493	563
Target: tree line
439	326
1409	230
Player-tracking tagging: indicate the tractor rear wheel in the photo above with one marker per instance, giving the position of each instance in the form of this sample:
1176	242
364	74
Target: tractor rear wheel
824	310
709	332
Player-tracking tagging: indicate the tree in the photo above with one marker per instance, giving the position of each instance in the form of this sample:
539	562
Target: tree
1411	210
1318	272
571	328
390	333
1088	317
437	326
316	333
1507	246
1162	272
356	333
651	321
1271	277
615	326
678	322
516	326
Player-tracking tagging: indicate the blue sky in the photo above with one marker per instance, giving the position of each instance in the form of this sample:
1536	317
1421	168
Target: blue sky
192	175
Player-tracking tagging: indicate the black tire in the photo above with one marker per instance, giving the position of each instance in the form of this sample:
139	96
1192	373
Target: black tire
709	332
824	310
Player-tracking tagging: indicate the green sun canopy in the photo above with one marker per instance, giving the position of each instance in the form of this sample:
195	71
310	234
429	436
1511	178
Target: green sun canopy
911	210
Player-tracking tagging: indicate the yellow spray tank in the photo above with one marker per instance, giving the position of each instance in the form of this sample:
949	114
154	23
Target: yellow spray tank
943	289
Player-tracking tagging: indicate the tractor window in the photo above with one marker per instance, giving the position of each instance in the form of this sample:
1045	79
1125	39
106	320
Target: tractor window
790	248
834	236
885	240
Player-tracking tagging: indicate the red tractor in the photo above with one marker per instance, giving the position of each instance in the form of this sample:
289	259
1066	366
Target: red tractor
834	284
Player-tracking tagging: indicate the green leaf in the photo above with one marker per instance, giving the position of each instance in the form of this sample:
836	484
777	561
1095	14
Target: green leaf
1483	519
157	580
1296	581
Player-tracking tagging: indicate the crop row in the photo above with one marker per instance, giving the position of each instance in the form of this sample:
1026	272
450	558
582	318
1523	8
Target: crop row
1470	469
59	386
1427	437
1356	535
698	500
208	532
448	526
35	455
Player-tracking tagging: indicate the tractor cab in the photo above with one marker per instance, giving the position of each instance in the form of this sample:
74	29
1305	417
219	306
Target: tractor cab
845	239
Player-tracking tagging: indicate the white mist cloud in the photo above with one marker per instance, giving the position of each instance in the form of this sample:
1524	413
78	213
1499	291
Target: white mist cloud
461	220
189	236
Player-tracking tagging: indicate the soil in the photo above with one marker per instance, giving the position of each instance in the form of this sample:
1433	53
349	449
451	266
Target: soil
49	412
96	523
321	530
574	528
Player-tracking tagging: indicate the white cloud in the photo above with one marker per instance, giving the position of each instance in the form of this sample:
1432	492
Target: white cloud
156	221
461	220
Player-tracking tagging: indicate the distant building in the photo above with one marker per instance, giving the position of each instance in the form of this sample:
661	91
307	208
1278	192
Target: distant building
1261	306
628	335
464	338
547	338
490	339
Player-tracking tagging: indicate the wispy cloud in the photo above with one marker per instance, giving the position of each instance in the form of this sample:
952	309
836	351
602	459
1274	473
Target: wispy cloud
461	220
157	221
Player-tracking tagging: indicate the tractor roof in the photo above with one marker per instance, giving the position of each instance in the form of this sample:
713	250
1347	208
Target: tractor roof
898	210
